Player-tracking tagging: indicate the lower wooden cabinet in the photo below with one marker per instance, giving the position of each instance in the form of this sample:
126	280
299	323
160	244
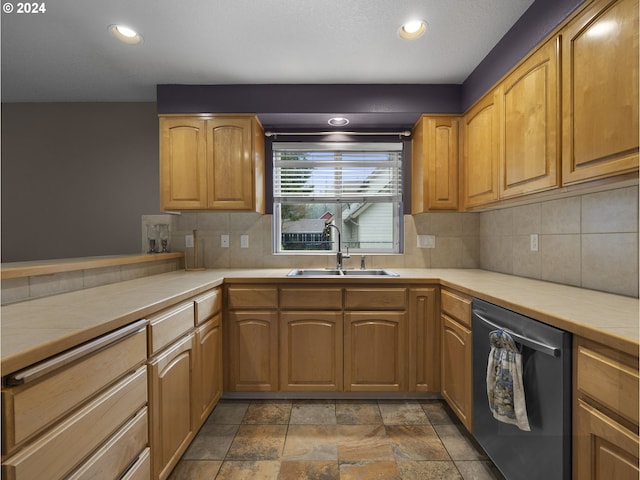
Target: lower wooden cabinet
252	355
456	368
604	448
375	351
114	457
311	351
605	413
80	412
173	415
318	338
141	469
424	340
208	387
61	450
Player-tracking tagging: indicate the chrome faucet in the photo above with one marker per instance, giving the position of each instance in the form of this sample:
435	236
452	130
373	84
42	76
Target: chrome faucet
339	255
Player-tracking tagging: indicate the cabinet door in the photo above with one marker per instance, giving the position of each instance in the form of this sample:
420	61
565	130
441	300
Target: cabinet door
482	151
183	165
375	352
229	154
311	351
603	449
424	341
253	351
434	164
530	140
173	419
600	91
456	368
209	355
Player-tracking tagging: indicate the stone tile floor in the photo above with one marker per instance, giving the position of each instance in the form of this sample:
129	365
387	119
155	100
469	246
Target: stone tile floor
333	439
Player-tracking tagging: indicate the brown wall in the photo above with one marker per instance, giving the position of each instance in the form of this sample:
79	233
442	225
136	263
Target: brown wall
76	178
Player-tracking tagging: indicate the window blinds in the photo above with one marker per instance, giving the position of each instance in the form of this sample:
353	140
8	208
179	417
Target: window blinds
319	172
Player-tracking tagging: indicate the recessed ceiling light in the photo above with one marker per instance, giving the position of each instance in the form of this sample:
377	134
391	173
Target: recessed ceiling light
412	29
125	34
338	121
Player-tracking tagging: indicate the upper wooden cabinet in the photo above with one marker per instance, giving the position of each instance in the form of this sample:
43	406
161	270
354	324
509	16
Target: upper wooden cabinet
582	82
529	154
600	91
481	151
211	162
183	166
434	164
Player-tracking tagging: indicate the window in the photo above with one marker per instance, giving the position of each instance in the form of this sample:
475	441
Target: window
355	186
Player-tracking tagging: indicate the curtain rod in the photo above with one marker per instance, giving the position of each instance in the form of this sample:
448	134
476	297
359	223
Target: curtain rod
405	133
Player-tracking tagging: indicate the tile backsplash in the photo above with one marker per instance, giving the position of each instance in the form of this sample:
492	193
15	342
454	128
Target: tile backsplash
588	240
456	242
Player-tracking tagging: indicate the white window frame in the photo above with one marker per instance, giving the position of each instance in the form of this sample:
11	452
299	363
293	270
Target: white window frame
394	198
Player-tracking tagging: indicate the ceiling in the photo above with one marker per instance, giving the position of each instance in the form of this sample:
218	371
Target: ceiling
67	54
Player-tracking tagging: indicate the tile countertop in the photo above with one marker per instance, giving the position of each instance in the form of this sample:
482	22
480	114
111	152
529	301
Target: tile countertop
34	330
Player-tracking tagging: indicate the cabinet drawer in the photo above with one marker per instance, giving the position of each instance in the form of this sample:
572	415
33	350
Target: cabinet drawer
207	305
311	298
457	306
375	298
252	297
29	408
611	382
62	449
115	456
170	325
141	470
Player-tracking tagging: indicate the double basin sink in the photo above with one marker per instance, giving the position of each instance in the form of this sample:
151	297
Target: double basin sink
329	272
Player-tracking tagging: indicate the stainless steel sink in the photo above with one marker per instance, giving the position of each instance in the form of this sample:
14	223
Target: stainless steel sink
327	272
314	272
370	272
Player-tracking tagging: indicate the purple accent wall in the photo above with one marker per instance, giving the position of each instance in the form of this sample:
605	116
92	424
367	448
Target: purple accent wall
540	19
402	102
316	98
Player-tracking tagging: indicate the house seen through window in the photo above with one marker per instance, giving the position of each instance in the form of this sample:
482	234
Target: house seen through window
355	186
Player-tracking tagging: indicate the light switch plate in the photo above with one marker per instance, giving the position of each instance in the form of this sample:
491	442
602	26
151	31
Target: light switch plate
188	241
224	241
426	241
244	241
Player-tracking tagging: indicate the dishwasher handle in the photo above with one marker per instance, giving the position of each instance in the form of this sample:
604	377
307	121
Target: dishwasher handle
528	342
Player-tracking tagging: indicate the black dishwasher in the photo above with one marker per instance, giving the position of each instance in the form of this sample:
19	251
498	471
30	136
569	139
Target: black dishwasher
544	452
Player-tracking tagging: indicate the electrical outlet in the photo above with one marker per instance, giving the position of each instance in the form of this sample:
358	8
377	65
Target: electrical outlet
244	241
224	241
426	241
188	241
534	242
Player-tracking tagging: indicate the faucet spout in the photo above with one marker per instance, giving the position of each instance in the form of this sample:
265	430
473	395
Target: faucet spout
339	255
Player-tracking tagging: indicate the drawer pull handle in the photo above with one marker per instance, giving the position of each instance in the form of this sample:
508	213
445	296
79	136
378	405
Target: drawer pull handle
38	370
